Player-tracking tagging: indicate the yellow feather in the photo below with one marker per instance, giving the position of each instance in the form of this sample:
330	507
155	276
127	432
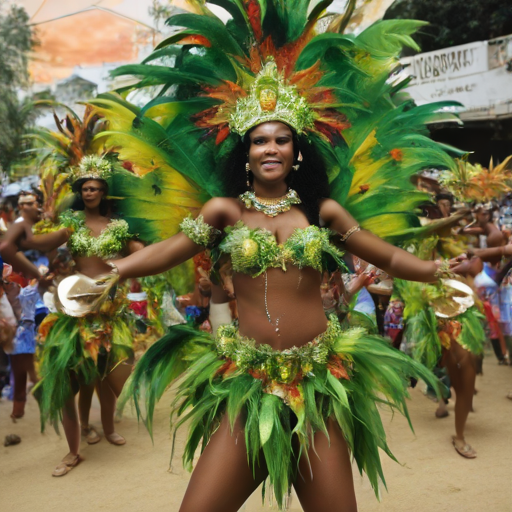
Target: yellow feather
386	225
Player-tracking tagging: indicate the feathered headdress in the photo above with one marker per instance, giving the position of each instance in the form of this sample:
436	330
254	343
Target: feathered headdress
214	81
468	182
92	167
59	152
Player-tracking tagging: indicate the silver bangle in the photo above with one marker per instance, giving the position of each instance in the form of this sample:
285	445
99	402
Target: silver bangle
350	232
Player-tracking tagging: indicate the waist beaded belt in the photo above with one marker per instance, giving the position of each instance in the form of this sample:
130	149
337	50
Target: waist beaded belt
284	366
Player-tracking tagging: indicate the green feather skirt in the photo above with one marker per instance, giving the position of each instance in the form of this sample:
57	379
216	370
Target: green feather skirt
278	394
429	334
87	348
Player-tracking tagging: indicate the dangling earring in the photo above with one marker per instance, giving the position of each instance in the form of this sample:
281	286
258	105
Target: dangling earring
247	169
299	160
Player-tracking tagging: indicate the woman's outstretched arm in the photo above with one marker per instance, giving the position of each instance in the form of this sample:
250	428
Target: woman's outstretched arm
47	242
492	252
394	261
162	256
158	258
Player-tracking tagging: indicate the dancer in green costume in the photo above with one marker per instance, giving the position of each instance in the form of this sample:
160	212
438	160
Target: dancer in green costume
280	127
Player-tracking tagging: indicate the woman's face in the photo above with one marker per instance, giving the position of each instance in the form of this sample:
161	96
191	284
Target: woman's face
92	193
271	152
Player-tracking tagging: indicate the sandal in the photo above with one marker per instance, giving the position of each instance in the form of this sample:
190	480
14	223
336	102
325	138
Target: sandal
115	439
90	434
65	467
18	410
466	451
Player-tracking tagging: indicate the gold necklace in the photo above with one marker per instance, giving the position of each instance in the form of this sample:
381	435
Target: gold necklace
270	206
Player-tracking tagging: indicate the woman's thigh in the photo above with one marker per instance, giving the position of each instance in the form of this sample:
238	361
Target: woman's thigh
325	483
222	479
459	362
118	376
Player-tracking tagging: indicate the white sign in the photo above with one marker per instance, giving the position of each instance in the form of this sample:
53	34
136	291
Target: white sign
478	75
450	63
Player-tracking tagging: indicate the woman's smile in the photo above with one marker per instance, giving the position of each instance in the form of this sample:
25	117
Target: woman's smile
271	152
271	164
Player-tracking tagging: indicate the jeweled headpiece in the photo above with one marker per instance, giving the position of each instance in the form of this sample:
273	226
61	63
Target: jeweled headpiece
272	61
92	167
271	99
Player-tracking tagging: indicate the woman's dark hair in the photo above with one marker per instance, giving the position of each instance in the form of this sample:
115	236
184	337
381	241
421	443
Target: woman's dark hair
78	203
310	181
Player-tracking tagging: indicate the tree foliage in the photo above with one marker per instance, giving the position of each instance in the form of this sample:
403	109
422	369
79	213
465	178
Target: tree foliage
454	22
16	41
160	10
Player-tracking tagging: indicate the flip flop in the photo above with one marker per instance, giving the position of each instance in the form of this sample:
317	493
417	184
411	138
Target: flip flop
65	467
466	451
115	439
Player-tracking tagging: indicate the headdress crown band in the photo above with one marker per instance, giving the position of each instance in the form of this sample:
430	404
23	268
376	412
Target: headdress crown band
92	167
271	99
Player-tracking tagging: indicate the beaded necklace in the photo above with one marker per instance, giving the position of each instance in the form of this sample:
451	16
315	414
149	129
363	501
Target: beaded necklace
270	206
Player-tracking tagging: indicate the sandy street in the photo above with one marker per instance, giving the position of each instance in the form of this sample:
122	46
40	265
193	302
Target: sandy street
432	477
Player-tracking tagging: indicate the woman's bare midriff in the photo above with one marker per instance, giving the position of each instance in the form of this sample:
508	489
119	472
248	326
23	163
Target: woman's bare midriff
91	266
293	297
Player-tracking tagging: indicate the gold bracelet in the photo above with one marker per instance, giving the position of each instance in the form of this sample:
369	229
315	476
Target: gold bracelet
350	232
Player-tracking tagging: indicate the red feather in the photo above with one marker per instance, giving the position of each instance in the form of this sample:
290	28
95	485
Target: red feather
252	7
222	134
321	96
196	39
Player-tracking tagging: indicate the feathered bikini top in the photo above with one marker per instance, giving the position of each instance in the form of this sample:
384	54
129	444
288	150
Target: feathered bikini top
108	244
254	250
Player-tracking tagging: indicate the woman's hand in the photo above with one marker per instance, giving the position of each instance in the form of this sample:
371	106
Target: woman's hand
362	280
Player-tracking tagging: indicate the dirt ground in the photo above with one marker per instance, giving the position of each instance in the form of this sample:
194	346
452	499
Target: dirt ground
432	477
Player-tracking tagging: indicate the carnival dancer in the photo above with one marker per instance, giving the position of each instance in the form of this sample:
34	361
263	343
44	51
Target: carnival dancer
21	356
77	351
276	323
80	350
443	332
439	325
286	125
